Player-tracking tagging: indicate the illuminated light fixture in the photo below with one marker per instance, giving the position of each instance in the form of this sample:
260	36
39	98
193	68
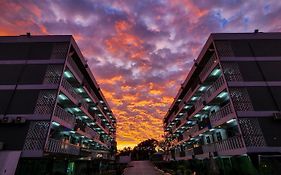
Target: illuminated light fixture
193	98
95	108
197	115
67	74
207	107
84	117
92	123
216	72
88	100
101	102
76	109
108	113
103	120
80	90
202	88
179	100
189	122
72	132
212	129
223	94
62	97
55	124
181	113
200	134
100	115
105	108
186	107
231	120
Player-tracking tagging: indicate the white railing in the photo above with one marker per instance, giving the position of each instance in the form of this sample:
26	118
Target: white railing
62	147
221	113
64	115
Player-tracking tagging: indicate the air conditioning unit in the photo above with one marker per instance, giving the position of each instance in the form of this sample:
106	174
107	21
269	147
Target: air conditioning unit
277	116
6	120
19	120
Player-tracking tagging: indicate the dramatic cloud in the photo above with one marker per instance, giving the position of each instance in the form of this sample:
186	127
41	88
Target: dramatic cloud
139	51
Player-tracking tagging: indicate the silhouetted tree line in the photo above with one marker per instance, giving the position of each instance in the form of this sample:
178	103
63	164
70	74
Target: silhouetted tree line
142	151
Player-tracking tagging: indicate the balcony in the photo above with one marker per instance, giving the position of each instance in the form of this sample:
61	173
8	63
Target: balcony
221	116
209	148
218	84
210	65
192	130
85	105
189	152
232	143
62	147
70	90
93	133
98	120
61	114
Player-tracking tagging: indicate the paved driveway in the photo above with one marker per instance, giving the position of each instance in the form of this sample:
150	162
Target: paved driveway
141	168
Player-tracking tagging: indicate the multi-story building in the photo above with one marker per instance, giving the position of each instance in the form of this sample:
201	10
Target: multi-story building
53	115
230	102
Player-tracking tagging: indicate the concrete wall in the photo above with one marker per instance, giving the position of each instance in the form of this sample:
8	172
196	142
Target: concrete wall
8	162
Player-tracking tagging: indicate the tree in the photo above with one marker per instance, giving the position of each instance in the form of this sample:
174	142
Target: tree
144	150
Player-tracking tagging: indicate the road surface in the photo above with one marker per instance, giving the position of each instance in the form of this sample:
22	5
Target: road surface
141	168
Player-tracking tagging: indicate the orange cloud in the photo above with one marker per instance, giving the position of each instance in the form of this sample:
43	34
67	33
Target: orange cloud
124	43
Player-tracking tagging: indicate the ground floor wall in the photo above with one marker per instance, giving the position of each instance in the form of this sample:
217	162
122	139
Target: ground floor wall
57	166
247	164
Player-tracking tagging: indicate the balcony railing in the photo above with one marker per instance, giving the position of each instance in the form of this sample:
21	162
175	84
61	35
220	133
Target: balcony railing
209	148
68	87
65	116
215	86
189	152
186	135
60	147
223	112
209	65
93	133
85	105
193	129
72	65
98	120
230	144
200	101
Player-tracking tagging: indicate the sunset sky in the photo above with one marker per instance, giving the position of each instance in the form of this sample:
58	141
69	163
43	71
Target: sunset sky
140	51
